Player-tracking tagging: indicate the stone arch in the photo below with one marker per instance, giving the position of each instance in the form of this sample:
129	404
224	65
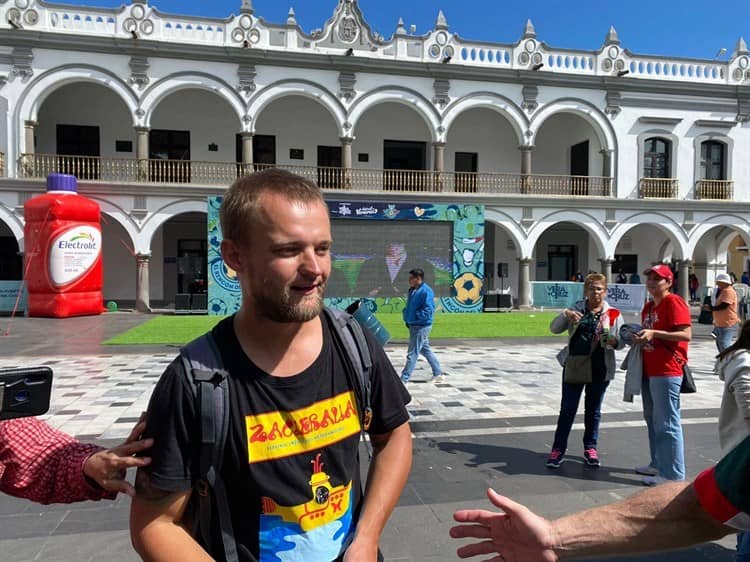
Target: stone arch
589	112
585	220
489	100
120	216
156	92
311	90
662	221
737	223
396	94
162	215
42	86
510	225
14	224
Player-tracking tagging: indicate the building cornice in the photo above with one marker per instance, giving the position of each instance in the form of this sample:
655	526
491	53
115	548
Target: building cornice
108	190
339	63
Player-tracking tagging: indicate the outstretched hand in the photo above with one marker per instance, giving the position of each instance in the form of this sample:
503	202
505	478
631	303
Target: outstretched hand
108	468
516	535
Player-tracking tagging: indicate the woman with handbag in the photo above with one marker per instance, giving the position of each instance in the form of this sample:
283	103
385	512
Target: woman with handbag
589	365
664	337
733	367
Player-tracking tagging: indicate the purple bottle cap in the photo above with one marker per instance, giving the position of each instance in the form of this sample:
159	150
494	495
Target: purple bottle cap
62	182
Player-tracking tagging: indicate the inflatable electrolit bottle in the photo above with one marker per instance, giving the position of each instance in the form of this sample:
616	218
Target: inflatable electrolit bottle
63	244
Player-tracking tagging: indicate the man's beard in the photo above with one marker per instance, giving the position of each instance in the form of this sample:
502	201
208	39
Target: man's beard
280	308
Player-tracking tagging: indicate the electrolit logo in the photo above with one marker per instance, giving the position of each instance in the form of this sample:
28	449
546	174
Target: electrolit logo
73	253
81	241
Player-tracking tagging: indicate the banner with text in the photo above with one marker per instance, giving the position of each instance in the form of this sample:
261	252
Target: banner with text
9	295
564	294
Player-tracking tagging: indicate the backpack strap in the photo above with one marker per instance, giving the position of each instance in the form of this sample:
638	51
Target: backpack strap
203	365
348	331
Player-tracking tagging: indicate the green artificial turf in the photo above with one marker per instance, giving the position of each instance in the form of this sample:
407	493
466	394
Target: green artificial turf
182	329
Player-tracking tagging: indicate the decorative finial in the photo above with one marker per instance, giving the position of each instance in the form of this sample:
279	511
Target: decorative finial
529	30
400	27
741	48
441	22
247	7
290	18
612	38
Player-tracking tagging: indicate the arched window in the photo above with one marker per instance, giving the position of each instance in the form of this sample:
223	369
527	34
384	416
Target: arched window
713	164
657	158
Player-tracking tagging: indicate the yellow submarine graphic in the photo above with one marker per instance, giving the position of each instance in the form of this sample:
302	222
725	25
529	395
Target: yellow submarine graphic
328	503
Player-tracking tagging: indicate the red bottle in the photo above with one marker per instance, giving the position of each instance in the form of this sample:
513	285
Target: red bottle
63	250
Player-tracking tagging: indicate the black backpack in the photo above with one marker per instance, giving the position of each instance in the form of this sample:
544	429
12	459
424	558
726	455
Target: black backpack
204	368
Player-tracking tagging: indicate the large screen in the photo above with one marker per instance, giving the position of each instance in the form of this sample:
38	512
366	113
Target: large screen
372	258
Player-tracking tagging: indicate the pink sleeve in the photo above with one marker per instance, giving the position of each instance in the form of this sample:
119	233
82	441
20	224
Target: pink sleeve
44	465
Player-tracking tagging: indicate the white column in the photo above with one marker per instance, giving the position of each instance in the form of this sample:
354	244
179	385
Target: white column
524	299
142	151
142	298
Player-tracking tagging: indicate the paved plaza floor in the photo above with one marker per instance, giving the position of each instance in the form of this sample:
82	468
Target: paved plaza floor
489	424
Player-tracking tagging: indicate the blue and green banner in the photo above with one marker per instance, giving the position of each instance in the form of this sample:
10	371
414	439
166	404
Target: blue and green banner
456	271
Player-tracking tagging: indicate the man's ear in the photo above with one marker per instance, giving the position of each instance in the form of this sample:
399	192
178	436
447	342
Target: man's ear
231	254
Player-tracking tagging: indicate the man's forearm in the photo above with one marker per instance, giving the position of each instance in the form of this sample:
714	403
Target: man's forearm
166	542
661	518
386	479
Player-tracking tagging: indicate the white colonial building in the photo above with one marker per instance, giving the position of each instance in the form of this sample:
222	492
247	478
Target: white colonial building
581	159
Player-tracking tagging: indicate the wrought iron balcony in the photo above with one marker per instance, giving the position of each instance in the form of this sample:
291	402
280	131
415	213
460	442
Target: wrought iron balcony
714	189
154	171
658	188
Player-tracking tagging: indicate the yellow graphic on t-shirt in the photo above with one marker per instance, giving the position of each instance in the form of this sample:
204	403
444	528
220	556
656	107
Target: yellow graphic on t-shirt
276	435
328	503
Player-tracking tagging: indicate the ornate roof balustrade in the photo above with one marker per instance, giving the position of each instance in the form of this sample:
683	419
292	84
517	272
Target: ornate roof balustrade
154	171
347	33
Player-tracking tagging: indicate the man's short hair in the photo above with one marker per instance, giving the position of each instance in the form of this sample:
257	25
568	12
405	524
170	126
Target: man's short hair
239	209
417	272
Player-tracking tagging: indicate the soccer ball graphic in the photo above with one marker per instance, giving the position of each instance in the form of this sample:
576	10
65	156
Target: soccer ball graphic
217	307
468	288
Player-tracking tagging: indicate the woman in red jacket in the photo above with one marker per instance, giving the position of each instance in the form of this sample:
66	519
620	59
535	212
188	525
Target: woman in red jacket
44	465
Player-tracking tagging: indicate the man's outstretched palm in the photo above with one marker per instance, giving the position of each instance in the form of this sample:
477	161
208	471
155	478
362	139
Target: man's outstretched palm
516	535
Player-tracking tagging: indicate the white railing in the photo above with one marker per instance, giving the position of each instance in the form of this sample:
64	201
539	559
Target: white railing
658	188
675	69
131	170
714	189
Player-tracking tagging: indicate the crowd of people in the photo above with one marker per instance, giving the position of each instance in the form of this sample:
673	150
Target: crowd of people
289	451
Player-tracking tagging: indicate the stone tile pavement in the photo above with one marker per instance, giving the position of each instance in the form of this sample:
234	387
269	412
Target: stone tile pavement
489	424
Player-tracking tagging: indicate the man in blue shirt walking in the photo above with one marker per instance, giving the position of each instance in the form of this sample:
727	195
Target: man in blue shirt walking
420	306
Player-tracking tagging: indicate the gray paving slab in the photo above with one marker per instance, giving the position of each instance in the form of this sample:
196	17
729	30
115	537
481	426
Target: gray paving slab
489	424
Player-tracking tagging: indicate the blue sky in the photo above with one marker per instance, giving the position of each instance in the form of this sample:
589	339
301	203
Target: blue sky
684	28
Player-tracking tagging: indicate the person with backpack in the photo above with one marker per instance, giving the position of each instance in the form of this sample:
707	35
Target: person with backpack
290	398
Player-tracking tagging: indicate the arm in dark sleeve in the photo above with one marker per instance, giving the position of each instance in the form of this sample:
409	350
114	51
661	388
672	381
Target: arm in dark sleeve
44	465
720	306
172	424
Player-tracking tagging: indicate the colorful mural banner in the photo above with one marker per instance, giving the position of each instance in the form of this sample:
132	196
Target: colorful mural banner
466	283
564	294
9	295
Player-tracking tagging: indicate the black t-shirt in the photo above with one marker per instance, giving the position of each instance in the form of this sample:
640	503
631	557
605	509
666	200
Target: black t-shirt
291	465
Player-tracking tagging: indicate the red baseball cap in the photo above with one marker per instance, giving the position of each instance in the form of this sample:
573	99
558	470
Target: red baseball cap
662	270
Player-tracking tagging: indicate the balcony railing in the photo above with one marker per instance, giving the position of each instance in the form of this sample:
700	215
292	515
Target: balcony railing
122	170
658	188
714	189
